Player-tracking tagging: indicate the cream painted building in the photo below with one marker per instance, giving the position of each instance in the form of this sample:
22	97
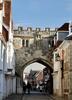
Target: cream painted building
7	56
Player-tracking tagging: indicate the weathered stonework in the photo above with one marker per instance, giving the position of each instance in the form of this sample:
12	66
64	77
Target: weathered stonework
24	58
67	69
33	46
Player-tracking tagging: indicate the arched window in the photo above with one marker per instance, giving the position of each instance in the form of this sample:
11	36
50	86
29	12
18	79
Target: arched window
23	43
27	43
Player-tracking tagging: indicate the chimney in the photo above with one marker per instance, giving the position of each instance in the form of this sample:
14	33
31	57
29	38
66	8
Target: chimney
70	28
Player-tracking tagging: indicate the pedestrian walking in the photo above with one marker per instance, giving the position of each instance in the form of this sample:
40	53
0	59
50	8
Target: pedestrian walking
28	87
24	87
41	86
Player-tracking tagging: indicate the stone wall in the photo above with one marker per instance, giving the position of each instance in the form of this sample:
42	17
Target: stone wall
66	69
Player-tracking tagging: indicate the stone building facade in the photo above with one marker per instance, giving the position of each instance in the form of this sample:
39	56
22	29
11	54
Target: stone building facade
62	67
26	37
65	50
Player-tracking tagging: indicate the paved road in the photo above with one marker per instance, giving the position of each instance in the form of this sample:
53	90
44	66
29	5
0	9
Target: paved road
32	96
36	97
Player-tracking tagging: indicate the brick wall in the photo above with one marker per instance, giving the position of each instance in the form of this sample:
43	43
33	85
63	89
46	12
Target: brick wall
5	34
7	10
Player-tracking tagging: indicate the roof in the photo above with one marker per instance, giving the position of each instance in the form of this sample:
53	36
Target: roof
69	37
64	27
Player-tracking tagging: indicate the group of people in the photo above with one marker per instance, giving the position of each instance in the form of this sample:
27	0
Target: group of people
26	87
44	87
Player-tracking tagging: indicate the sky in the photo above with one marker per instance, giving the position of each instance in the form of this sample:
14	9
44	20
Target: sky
34	66
41	13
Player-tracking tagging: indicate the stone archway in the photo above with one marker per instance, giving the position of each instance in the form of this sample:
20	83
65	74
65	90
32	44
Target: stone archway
39	60
45	63
25	57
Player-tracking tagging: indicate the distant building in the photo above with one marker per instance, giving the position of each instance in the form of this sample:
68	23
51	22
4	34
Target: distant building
39	77
61	34
32	78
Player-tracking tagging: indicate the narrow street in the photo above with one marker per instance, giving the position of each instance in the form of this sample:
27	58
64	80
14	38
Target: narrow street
35	50
32	96
36	97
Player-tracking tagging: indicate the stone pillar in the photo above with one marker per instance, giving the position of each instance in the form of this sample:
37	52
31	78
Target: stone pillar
60	88
57	79
14	84
70	75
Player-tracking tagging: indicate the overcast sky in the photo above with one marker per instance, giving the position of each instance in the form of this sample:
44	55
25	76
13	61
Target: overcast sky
41	13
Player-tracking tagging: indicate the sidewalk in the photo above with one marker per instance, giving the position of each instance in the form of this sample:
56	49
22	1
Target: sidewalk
14	97
57	98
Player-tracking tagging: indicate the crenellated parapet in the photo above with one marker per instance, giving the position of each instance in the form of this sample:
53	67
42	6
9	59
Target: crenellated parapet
26	37
32	30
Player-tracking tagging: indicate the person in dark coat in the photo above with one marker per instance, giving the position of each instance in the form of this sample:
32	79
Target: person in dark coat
28	87
24	87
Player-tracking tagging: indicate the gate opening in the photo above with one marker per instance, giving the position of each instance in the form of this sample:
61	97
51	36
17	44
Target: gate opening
39	76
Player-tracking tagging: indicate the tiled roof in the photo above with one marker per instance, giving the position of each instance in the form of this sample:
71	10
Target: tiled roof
64	27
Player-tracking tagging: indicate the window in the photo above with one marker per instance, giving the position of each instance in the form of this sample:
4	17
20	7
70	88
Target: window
27	43
23	43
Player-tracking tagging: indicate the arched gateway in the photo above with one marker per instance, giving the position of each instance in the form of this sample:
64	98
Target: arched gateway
24	58
39	48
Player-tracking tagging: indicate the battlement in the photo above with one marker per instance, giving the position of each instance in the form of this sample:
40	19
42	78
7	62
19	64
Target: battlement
37	29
